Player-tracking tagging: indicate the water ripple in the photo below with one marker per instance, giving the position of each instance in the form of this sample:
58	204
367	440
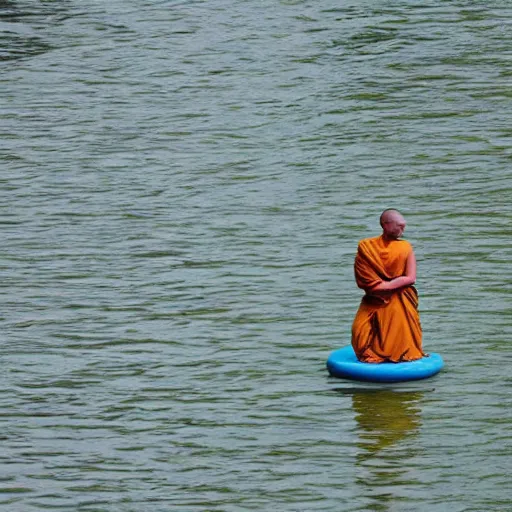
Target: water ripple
183	189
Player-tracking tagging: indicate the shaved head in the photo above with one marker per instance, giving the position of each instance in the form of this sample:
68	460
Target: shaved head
392	223
389	215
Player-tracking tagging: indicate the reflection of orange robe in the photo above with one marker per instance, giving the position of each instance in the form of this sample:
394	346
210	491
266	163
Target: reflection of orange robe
387	326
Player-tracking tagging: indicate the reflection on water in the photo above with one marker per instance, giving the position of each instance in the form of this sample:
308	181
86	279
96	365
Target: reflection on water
385	418
388	423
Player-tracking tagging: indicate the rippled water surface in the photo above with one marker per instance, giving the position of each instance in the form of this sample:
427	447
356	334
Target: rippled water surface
182	189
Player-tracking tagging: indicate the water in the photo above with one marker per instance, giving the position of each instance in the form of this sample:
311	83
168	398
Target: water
183	187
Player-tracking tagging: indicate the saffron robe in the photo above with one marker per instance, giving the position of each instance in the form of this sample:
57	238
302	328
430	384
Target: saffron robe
387	324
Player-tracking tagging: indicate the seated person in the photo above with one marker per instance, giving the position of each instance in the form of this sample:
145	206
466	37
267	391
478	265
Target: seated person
387	324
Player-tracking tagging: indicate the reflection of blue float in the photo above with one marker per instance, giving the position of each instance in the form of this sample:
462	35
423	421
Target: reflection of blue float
344	363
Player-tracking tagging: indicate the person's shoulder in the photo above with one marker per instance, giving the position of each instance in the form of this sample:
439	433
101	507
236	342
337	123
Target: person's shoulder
405	244
368	244
371	240
365	242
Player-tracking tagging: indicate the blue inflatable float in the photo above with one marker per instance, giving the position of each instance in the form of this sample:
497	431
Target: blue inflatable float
344	363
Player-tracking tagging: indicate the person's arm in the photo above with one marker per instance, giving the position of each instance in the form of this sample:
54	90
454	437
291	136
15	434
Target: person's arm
398	282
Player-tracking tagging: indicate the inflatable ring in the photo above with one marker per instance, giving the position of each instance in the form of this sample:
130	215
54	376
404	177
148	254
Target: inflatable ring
344	363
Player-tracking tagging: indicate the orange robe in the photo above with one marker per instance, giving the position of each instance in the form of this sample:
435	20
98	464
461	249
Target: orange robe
387	324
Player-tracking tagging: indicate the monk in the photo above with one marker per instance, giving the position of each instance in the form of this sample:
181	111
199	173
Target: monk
387	324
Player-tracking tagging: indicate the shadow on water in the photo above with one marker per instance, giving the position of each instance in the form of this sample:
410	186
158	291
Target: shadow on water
387	423
21	24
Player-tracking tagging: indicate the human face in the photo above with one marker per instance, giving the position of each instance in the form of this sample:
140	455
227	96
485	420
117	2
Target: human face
394	227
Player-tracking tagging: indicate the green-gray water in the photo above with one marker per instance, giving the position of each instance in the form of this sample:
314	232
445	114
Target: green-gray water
182	189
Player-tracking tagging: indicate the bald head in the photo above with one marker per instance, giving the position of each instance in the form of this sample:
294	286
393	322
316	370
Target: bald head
389	215
393	224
